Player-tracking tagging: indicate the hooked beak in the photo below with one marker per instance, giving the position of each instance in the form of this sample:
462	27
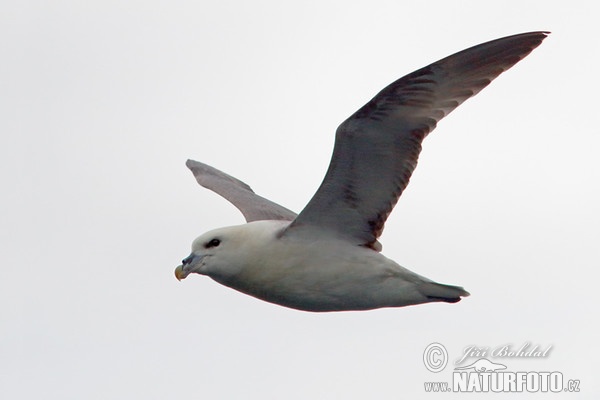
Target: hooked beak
179	274
187	266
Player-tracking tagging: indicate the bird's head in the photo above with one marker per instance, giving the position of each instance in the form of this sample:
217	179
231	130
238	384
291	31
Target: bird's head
223	253
207	253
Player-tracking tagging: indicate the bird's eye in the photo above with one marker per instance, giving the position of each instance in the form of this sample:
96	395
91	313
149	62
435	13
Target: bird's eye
213	243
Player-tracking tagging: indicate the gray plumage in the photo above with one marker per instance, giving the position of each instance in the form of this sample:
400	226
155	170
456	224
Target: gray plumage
323	258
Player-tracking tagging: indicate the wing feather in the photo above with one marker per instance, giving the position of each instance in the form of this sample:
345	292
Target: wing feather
252	206
377	148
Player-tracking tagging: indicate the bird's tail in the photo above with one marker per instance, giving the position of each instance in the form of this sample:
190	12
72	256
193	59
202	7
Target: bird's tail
438	292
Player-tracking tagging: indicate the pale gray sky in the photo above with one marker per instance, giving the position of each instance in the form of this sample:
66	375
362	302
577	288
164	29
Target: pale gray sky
103	101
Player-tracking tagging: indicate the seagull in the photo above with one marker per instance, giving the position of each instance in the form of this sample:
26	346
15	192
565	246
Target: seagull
328	258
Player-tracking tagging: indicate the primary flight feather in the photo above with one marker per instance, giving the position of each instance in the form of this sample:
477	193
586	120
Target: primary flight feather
328	258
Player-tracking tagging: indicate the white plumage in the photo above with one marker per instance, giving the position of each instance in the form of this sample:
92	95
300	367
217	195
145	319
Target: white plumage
327	257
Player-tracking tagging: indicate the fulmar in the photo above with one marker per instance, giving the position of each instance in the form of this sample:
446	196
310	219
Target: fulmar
328	258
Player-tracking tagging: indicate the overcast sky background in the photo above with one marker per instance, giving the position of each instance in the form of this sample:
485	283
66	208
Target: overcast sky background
101	103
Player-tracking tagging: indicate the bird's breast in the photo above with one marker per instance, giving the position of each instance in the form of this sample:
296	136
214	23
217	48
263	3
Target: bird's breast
314	276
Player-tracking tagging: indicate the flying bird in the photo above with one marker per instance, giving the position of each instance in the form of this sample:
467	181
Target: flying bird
328	258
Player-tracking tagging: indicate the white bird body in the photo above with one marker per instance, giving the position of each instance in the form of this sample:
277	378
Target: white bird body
312	273
327	257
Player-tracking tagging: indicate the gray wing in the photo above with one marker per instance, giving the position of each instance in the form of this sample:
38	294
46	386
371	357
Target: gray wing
377	148
253	206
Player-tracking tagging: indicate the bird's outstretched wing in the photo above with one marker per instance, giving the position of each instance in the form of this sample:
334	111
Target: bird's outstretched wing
253	206
377	148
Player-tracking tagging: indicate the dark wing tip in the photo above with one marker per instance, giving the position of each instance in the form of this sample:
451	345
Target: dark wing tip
357	195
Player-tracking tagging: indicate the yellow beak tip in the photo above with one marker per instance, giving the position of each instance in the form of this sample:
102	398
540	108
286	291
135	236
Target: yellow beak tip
179	273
